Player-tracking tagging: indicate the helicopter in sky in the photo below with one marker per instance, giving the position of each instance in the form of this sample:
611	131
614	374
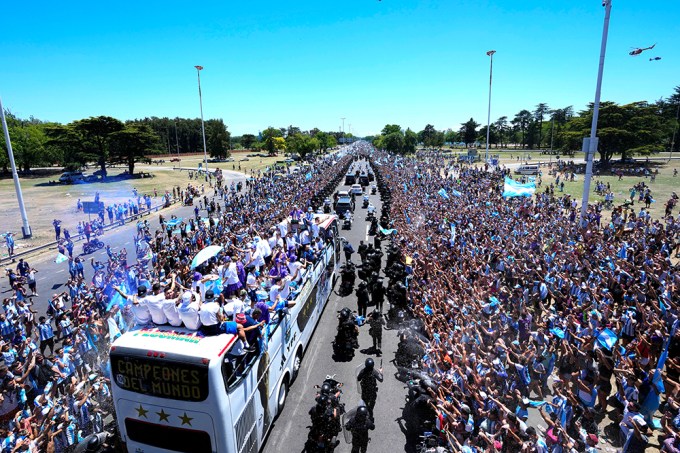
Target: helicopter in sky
655	59
637	51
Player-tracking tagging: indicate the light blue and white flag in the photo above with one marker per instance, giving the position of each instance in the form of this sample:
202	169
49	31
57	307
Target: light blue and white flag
174	222
455	193
513	188
607	338
443	194
308	176
60	258
388	232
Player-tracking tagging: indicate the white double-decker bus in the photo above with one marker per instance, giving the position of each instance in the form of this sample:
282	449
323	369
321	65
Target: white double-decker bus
177	390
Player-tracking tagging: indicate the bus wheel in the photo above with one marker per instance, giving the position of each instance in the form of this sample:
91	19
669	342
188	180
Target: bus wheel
283	393
297	363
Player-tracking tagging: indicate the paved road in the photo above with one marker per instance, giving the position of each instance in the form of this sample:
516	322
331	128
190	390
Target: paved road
289	433
52	277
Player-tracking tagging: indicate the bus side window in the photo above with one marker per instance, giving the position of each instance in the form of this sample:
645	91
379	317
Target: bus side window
227	372
235	368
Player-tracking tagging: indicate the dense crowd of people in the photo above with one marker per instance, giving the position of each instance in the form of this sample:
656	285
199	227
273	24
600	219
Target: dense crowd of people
54	388
524	306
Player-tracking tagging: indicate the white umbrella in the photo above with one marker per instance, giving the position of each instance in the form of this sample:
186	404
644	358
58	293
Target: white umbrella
205	254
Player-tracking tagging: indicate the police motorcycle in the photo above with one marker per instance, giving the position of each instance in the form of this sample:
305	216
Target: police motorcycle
346	340
347	220
347	278
327	206
326	416
365	202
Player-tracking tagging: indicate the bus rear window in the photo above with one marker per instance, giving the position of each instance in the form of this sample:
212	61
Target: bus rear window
161	378
168	437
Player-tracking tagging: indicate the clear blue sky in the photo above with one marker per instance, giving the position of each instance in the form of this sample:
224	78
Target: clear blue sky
310	63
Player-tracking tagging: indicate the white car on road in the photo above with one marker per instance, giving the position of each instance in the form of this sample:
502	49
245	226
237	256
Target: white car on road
356	189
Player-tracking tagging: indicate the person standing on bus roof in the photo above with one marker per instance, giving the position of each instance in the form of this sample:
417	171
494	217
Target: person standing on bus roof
155	303
315	228
170	307
188	310
229	273
139	307
208	314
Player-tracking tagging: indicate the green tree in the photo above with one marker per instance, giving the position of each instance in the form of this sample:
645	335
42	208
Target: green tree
95	133
217	139
630	129
247	140
269	141
501	128
131	144
410	141
521	123
393	142
28	144
302	144
451	136
493	135
539	114
391	128
469	131
428	136
325	140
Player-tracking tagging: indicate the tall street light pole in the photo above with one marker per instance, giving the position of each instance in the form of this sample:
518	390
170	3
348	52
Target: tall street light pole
590	145
25	228
343	131
488	115
200	100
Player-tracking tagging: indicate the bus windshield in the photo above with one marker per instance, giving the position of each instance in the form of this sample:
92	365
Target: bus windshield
167	377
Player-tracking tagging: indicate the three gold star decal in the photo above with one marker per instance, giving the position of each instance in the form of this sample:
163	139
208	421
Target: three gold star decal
186	420
163	416
141	411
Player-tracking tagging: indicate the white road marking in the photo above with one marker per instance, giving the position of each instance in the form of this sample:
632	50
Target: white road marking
59	271
367	228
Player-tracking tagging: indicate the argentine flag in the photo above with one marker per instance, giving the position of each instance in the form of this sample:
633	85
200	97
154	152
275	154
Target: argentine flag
513	188
60	258
607	338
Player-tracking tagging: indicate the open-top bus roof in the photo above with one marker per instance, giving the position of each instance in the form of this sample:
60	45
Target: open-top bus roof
176	340
324	220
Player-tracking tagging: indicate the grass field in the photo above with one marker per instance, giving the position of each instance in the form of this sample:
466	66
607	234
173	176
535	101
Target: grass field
662	188
46	202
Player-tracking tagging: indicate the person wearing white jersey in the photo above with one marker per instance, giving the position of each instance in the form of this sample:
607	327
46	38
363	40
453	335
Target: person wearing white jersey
189	309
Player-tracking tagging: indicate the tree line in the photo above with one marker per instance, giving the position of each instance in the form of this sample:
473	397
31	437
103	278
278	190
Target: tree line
638	128
104	140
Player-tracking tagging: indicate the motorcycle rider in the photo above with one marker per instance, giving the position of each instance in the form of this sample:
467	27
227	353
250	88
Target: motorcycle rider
368	379
325	419
359	425
347	329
